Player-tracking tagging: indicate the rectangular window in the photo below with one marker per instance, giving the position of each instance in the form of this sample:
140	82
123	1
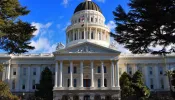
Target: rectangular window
24	71
151	83
105	82
68	82
105	71
129	69
92	20
150	70
13	84
98	69
75	82
23	84
34	71
99	83
33	84
160	70
75	69
162	83
68	70
14	71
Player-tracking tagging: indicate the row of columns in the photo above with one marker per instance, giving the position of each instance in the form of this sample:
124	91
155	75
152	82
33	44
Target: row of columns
102	36
81	74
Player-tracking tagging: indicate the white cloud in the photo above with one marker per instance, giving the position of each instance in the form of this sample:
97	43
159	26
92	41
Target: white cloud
65	3
41	28
111	25
42	45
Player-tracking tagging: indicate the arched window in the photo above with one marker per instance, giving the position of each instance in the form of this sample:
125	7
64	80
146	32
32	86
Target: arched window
82	35
105	82
99	83
92	35
68	82
98	69
75	82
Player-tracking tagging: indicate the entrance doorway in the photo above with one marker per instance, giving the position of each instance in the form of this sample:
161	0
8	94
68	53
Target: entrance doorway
87	82
86	97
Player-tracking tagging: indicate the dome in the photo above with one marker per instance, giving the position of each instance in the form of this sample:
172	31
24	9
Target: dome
87	5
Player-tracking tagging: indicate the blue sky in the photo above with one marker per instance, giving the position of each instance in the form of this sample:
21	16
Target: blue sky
51	17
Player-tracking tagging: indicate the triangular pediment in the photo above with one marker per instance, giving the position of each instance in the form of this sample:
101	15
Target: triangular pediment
88	47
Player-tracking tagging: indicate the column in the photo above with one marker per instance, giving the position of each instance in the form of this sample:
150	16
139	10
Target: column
146	76
112	75
73	35
81	74
28	78
18	79
156	77
61	69
84	33
92	74
101	34
166	80
102	74
8	75
90	34
96	34
71	71
117	75
78	34
56	74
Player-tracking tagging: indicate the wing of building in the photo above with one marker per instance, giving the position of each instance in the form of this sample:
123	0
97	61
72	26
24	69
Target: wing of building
88	66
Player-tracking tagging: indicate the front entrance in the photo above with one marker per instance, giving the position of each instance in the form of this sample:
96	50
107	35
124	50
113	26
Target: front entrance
87	82
86	97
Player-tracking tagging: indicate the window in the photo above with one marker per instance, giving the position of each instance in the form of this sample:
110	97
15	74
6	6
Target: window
99	82
82	35
151	84
105	69
13	84
105	82
34	71
96	19
33	84
68	82
160	70
68	70
92	20
75	36
161	83
98	69
23	84
75	69
150	70
14	71
24	71
139	68
129	70
92	35
75	82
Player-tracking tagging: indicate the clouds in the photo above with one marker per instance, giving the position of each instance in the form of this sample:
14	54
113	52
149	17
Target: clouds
65	3
103	1
111	25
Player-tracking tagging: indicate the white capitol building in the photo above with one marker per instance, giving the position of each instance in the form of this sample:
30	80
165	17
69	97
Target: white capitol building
88	67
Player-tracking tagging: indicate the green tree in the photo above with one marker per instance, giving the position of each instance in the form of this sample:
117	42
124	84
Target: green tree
126	87
147	24
45	87
5	93
141	91
172	85
15	34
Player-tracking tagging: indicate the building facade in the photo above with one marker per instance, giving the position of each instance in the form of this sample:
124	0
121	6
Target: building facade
88	66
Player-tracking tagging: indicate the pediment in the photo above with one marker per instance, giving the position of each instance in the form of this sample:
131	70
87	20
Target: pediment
88	47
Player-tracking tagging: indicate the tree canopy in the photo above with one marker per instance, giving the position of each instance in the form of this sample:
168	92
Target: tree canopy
148	24
45	87
15	34
5	93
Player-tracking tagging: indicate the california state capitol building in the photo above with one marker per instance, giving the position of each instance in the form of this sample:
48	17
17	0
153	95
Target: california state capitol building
88	66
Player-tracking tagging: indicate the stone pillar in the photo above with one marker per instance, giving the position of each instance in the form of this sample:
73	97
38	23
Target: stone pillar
84	33
157	80
71	71
61	69
90	34
146	76
101	35
78	34
92	74
56	74
18	79
8	72
117	75
81	74
112	74
102	74
96	34
28	78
